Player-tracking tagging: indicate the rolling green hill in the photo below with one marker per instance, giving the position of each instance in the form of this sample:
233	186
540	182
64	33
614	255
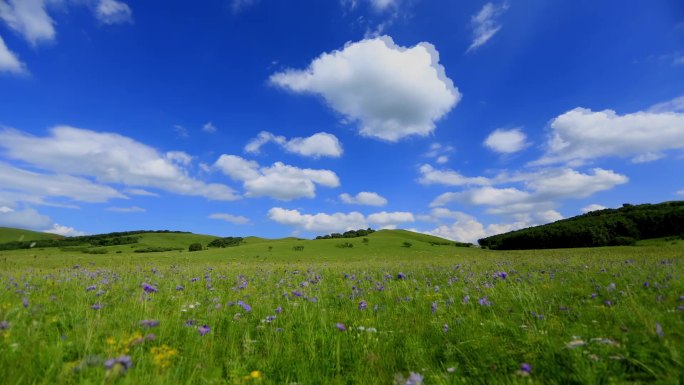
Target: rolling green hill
609	227
8	234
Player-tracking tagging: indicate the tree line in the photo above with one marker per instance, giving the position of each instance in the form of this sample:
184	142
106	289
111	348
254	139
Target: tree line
608	227
348	234
99	240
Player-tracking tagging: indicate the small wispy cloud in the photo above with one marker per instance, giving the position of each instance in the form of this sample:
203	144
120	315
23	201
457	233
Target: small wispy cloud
132	209
235	219
485	24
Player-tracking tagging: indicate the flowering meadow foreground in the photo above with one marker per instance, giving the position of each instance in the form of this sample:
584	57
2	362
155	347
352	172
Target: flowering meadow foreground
582	316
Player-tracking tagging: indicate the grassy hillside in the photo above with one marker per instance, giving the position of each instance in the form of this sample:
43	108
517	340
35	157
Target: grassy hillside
8	234
609	227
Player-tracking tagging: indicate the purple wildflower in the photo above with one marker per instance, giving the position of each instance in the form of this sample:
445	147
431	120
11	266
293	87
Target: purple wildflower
607	303
149	323
190	322
179	287
148	288
279	310
401	276
502	275
659	330
297	293
96	306
270	318
680	307
647	284
99	293
434	307
363	305
204	329
484	301
194	279
313	299
593	295
244	306
340	326
414	379
4	325
466	299
445	328
91	288
150	337
25	302
124	361
525	367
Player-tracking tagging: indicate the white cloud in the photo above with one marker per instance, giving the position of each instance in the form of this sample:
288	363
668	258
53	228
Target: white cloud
113	12
132	209
179	157
29	18
24	219
382	5
5	209
209	127
674	105
64	231
364	198
315	146
235	219
390	220
109	158
337	222
439	152
568	183
9	62
141	192
581	134
506	141
680	192
279	181
485	24
392	91
448	177
181	132
593	207
318	222
14	179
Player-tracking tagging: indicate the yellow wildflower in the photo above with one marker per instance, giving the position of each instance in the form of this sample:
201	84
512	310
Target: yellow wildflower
163	355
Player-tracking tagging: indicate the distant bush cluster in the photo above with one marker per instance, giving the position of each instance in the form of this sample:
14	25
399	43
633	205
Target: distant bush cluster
226	242
609	227
157	249
348	234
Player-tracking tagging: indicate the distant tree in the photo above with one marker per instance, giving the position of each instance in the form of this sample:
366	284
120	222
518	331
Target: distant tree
195	247
407	244
298	248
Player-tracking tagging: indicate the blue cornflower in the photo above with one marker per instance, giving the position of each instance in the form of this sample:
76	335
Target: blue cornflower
204	329
244	306
434	307
340	326
484	301
149	323
525	367
414	379
363	305
148	288
91	288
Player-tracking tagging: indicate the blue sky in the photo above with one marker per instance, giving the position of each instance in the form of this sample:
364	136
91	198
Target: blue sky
272	118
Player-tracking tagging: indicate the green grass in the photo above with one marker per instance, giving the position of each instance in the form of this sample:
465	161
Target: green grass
8	234
544	304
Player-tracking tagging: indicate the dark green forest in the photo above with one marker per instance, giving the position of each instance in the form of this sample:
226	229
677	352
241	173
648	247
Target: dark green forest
348	234
608	227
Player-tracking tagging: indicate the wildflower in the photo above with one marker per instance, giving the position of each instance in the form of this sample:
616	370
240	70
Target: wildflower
270	318
96	306
434	307
611	287
149	323
363	305
148	288
484	301
445	328
150	337
255	374
163	355
414	379
244	306
25	302
525	367
466	299
190	322
297	293
179	287
99	293
575	343
124	361
659	330
401	276
607	303
593	295
204	329
340	326
279	310
502	275
313	299
195	279
91	288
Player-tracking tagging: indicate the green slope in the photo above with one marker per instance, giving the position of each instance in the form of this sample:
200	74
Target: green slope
8	234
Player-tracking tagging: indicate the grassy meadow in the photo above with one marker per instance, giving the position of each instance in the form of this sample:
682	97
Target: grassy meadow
268	312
